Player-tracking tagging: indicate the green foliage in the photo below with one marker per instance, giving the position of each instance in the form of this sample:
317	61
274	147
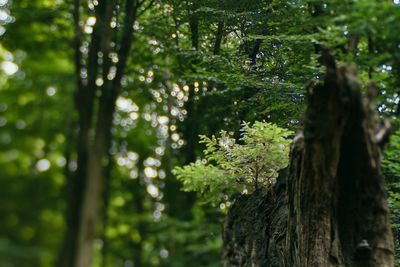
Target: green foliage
230	167
391	168
391	160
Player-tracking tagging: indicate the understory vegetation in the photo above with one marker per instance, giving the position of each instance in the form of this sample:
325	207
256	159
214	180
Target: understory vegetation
233	166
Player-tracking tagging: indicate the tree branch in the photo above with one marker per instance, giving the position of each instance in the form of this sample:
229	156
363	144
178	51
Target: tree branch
218	37
126	40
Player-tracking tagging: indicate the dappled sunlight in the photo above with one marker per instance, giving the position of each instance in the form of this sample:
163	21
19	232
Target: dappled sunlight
9	68
43	165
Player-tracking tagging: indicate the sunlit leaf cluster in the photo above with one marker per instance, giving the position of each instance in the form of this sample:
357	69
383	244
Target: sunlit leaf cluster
233	166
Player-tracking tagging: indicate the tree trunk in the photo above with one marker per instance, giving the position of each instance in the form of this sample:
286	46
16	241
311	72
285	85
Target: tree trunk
95	121
329	208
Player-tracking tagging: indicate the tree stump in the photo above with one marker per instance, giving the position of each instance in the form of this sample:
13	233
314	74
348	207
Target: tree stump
329	207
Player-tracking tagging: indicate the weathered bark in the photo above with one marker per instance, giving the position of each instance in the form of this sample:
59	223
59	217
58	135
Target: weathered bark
254	232
333	209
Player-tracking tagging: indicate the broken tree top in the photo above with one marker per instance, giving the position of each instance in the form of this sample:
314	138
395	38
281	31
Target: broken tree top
329	207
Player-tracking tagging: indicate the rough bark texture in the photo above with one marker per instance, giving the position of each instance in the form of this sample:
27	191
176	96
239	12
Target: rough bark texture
255	229
330	208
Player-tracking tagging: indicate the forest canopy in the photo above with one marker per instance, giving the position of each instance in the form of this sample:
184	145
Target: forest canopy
128	128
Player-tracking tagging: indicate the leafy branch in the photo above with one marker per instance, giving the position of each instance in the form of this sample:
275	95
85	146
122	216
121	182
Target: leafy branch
232	167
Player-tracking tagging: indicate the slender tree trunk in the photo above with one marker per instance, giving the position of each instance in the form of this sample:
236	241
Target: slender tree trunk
141	225
75	182
90	168
330	207
106	204
94	127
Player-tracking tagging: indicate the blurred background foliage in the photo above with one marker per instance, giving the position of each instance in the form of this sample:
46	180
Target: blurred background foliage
250	61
